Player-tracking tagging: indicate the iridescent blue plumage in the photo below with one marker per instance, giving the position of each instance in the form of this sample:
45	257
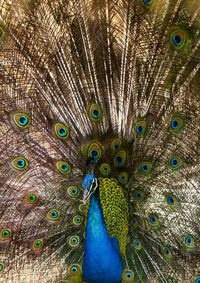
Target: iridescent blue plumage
102	261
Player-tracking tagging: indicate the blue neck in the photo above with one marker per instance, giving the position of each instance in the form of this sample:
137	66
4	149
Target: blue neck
102	262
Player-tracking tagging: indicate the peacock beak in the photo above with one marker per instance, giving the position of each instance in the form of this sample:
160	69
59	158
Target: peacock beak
88	191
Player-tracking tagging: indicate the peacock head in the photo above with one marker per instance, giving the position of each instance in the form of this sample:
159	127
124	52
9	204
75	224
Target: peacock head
90	185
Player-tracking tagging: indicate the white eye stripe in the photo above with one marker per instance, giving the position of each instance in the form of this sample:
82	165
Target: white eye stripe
88	192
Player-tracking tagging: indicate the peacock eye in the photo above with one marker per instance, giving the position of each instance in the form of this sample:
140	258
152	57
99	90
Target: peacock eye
177	123
139	196
137	245
1	267
135	223
77	220
176	162
154	221
53	214
178	38
173	202
19	163
6	234
31	199
73	191
38	244
116	145
148	3
73	241
74	269
166	252
105	169
127	275
63	167
140	128
145	167
189	242
197	279
21	120
82	208
95	112
174	124
95	151
61	131
123	177
120	158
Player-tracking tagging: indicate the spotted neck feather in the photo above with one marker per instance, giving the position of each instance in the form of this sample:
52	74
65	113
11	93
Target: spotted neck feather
102	261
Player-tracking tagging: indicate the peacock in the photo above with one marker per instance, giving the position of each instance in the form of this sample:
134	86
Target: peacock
99	141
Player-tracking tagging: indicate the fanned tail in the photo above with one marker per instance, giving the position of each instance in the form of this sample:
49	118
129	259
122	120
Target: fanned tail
117	79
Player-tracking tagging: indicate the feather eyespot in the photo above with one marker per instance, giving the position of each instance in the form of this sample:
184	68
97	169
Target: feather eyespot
170	200
73	191
176	162
38	244
139	196
63	167
174	124
74	269
53	214
128	276
1	267
116	145
6	234
145	167
167	254
77	220
189	242
61	131
19	163
82	208
120	158
177	123
173	202
95	150
135	222
21	120
95	112
105	169
178	38
197	279
140	128
154	221
73	241
123	177
31	198
137	245
148	3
